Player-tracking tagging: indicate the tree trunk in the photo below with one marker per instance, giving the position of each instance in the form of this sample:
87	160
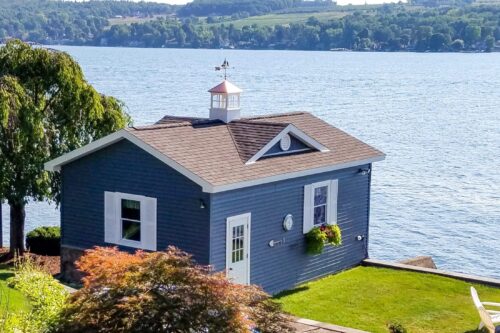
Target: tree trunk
17	216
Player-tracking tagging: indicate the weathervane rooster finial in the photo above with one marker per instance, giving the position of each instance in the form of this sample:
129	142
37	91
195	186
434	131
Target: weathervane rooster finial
224	67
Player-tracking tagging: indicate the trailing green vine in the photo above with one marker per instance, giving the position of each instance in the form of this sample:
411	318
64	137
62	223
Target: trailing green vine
317	237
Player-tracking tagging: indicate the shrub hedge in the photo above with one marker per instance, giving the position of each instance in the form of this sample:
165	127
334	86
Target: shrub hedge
44	241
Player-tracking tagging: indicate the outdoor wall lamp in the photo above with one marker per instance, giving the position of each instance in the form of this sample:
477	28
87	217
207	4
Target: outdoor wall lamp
202	204
364	172
360	237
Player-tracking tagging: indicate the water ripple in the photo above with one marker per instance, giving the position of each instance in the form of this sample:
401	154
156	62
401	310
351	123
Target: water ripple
436	116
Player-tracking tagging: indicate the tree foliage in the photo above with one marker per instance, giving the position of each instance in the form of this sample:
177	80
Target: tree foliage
230	7
385	28
164	292
48	21
47	108
388	28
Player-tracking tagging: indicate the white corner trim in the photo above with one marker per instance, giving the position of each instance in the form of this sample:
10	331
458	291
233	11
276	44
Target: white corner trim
57	163
284	176
290	129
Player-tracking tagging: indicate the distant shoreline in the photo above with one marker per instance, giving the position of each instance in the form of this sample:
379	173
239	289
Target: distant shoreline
496	50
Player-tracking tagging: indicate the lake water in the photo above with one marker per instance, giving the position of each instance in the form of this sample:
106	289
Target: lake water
436	116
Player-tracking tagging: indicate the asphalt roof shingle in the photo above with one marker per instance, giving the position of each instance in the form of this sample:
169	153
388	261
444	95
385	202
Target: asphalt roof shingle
251	136
217	152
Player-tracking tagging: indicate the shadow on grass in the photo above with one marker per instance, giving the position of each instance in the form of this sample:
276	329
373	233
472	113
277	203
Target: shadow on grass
5	275
291	292
476	331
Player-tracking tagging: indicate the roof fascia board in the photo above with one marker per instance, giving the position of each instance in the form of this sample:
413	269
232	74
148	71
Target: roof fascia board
56	164
290	129
285	176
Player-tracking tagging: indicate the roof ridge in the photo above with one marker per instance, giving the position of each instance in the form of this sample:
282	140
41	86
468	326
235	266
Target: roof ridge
156	126
265	123
277	115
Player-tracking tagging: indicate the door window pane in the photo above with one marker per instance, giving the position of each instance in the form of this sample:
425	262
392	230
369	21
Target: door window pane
237	251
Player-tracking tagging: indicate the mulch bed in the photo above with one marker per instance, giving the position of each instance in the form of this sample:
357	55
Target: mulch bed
51	264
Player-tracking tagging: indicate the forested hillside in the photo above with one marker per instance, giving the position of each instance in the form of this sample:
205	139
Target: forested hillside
245	8
48	21
380	28
388	28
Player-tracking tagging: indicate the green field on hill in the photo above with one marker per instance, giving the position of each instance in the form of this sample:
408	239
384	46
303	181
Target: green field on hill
278	19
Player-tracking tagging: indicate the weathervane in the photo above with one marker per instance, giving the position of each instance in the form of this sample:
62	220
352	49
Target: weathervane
224	67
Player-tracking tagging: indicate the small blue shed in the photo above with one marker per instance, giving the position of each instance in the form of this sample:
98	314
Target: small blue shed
237	193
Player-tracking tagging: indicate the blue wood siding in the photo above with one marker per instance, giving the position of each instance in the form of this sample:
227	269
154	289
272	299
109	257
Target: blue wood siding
123	167
286	265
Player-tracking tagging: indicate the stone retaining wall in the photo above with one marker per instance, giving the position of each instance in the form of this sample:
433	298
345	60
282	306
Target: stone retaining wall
69	272
460	276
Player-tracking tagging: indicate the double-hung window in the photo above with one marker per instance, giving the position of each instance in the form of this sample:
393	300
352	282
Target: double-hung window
130	220
320	204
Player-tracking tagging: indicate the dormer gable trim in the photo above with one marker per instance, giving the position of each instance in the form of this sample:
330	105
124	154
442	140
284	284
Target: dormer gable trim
293	131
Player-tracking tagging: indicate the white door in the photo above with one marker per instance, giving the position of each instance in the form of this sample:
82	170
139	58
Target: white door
238	248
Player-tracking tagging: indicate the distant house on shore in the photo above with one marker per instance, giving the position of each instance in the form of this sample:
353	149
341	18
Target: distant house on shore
238	193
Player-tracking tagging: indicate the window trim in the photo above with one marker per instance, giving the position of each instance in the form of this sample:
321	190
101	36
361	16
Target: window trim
331	205
327	184
138	198
115	236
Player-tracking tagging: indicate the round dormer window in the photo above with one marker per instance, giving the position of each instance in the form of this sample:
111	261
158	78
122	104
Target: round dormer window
285	142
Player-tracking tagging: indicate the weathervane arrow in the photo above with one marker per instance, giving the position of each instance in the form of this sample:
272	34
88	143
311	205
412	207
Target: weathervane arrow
224	66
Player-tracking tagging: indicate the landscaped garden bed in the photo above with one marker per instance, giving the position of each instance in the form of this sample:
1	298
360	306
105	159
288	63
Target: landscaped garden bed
369	298
51	264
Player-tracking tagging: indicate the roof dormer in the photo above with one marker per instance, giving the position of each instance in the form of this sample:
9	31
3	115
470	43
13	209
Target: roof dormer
256	140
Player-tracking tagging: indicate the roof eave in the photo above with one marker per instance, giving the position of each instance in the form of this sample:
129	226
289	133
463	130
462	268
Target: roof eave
207	187
57	163
296	174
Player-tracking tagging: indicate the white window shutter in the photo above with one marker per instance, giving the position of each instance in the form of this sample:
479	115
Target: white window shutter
111	227
148	224
334	191
308	223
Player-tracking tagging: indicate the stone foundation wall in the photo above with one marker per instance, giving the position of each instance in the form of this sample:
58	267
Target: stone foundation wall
69	256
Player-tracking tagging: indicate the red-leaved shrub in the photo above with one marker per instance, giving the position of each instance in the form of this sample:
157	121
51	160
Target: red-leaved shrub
164	292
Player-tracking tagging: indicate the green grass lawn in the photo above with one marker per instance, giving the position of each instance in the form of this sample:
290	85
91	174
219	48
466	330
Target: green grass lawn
11	300
368	298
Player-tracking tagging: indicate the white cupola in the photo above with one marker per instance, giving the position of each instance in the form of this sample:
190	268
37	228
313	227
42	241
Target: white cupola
225	98
225	102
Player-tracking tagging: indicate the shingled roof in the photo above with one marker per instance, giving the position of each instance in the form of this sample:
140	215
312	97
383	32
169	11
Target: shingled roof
251	136
215	154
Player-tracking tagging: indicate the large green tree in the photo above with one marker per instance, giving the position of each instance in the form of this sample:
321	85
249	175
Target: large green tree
47	108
